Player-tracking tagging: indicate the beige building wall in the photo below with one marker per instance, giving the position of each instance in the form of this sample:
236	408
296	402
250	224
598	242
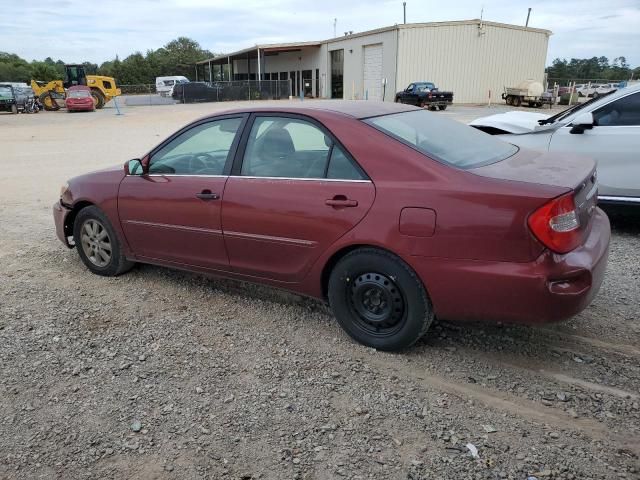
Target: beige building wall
470	59
353	47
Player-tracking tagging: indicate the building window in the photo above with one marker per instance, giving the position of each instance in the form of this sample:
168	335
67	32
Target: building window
337	78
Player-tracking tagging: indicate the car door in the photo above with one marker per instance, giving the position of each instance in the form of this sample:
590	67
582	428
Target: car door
294	191
614	142
171	212
405	95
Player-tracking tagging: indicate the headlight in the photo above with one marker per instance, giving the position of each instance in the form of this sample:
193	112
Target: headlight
63	189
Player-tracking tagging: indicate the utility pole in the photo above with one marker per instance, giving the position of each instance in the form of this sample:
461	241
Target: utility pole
335	23
404	11
528	14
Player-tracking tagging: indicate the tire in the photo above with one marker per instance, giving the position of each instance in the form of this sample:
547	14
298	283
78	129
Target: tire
442	107
363	285
398	100
49	103
421	104
92	224
14	109
509	100
517	101
98	98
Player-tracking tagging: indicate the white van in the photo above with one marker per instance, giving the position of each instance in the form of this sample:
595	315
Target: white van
164	85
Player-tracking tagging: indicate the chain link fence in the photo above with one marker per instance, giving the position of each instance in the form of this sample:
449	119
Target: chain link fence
200	92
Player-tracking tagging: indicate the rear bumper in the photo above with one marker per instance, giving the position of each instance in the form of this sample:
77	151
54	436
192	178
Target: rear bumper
552	288
60	213
81	106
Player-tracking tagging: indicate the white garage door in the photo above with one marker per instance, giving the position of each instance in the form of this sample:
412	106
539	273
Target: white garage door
373	72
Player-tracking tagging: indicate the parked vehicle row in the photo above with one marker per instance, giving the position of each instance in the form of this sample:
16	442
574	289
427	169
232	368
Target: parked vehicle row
165	85
18	98
428	217
606	128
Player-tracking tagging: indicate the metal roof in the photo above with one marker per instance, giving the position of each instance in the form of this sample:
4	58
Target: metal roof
267	47
274	47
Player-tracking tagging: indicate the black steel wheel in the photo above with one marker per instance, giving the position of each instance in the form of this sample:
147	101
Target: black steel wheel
376	303
98	244
379	300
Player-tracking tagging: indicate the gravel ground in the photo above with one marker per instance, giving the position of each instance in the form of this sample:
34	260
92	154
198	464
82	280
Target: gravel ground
164	374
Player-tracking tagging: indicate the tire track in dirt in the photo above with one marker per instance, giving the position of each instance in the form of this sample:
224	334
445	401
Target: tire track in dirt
505	402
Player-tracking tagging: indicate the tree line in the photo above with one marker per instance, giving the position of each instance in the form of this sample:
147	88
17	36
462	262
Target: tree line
594	68
177	57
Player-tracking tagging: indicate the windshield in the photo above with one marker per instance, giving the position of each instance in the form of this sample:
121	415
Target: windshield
79	94
5	92
422	87
575	108
442	139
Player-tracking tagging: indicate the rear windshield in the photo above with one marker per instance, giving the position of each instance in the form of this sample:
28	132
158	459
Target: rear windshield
79	93
442	139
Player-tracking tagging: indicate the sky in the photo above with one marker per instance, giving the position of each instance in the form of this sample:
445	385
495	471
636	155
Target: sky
77	31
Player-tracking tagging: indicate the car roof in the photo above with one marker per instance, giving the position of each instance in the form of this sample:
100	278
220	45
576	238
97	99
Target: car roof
359	109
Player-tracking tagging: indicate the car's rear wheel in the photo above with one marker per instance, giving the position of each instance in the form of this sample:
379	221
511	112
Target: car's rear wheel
379	300
509	100
97	243
442	107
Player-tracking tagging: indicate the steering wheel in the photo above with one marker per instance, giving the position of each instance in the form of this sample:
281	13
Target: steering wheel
203	161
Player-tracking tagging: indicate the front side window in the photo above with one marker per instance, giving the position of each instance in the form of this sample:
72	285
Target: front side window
201	150
442	139
294	148
622	112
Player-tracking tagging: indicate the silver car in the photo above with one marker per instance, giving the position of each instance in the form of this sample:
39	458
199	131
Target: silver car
606	128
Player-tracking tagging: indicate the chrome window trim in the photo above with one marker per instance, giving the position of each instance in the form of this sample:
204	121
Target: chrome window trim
250	177
301	179
179	175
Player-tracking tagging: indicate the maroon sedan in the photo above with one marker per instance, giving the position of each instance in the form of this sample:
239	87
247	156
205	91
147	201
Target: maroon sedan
79	99
391	213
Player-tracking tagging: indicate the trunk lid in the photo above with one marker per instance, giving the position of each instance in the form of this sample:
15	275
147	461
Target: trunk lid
571	172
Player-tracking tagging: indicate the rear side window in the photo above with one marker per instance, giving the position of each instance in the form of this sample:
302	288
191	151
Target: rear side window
444	140
623	112
294	148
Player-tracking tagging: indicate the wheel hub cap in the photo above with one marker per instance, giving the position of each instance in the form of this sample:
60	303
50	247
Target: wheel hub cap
377	302
96	243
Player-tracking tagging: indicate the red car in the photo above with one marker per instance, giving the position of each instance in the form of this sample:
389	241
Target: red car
391	213
79	99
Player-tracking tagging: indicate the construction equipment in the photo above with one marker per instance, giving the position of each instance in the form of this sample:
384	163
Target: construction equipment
53	93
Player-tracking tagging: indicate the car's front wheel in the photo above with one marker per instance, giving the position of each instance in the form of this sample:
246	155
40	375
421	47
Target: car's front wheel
379	300
97	243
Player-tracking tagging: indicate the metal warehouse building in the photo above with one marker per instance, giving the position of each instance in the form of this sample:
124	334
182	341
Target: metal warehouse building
470	58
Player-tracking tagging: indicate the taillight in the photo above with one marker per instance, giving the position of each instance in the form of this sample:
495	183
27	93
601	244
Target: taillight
556	224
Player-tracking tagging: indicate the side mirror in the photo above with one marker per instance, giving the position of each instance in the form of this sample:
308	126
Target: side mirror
133	167
582	122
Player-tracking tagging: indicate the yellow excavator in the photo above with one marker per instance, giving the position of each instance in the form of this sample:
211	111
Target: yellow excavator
52	94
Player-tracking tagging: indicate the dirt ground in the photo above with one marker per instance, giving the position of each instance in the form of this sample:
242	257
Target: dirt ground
164	374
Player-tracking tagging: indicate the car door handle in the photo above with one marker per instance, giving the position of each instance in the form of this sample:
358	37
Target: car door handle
207	195
341	201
